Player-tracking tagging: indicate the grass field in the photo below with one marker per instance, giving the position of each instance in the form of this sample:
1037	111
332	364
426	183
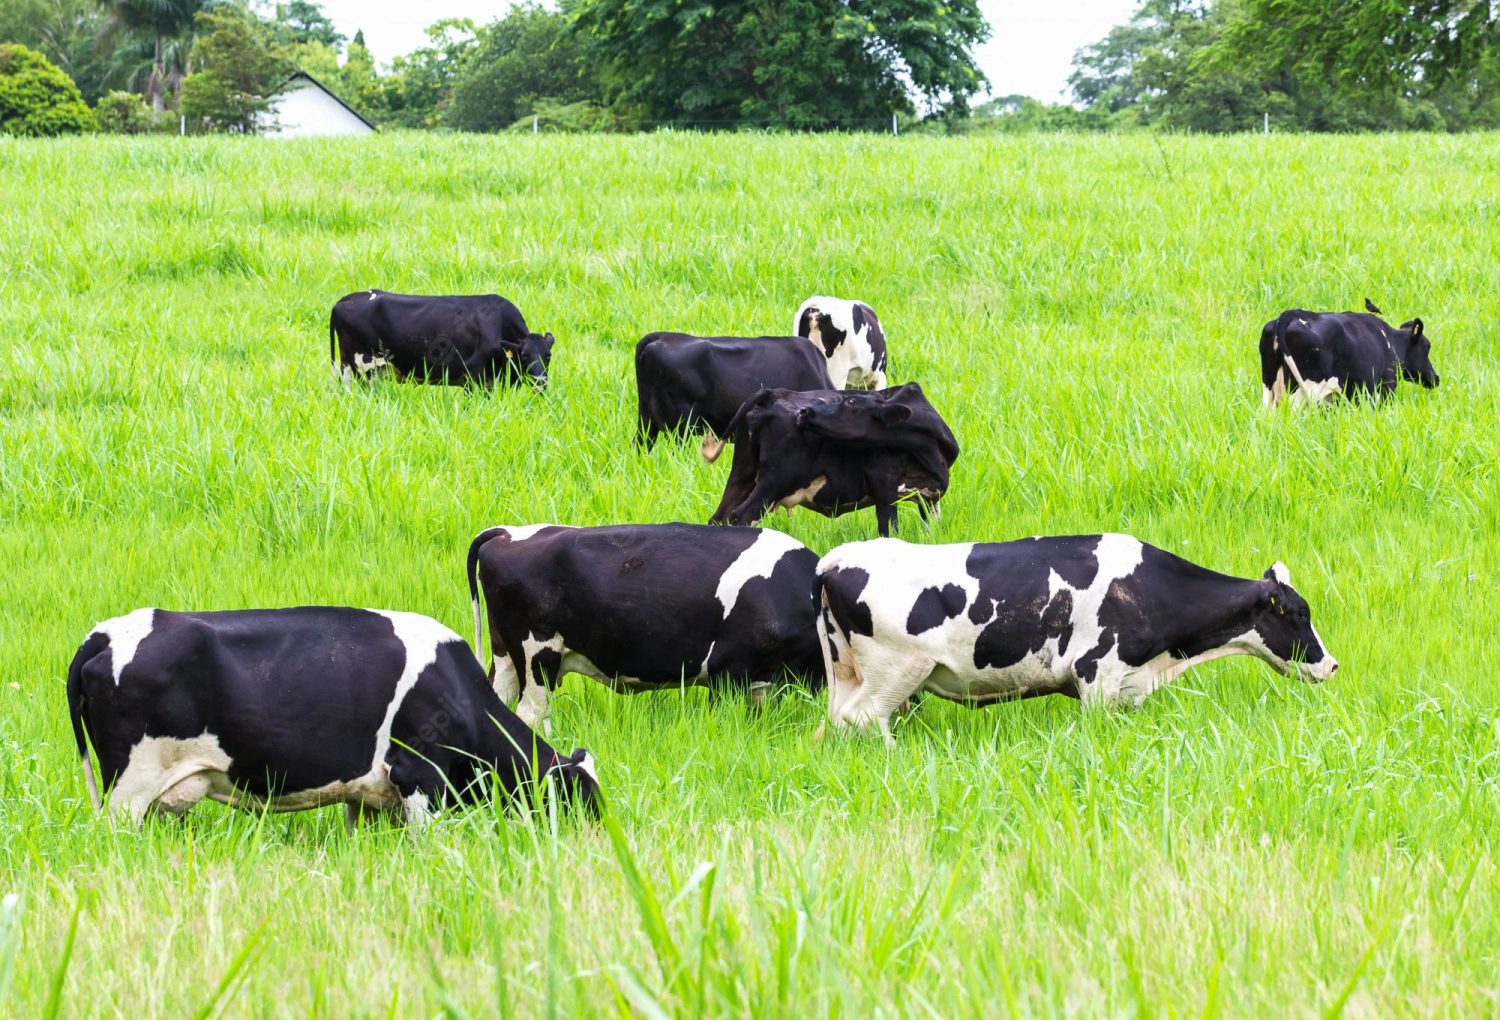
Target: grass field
1084	311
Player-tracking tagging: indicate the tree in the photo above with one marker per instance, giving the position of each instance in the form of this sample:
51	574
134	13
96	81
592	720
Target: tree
300	21
810	64
37	97
525	59
240	68
63	31
157	47
416	91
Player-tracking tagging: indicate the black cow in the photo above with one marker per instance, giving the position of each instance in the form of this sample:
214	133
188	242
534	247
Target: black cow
455	340
685	382
849	335
641	606
834	452
1103	618
289	709
1315	355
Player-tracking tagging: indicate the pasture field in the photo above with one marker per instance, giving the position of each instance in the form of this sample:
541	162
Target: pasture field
1084	312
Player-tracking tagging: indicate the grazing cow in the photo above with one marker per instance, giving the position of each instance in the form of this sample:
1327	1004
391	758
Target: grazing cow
1315	355
289	709
849	335
437	339
642	606
1106	619
834	452
685	382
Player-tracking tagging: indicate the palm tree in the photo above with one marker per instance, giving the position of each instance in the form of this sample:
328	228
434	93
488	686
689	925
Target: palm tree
158	52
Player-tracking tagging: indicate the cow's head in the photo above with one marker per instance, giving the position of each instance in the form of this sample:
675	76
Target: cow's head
579	783
1416	366
529	360
1282	622
855	418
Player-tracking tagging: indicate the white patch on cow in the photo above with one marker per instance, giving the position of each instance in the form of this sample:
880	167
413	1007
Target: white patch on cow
586	765
373	295
177	772
758	560
806	494
521	532
1314	391
125	636
416	809
507	682
421	636
1281	573
533	705
852	363
367	365
1302	321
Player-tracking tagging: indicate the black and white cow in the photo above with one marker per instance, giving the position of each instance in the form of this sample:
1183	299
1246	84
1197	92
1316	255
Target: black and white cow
835	451
685	382
1315	355
849	335
455	340
289	709
642	606
1106	619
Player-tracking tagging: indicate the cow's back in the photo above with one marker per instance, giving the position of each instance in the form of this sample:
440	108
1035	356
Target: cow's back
682	376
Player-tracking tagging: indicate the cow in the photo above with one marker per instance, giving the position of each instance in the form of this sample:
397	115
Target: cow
688	382
1316	355
641	607
834	452
1106	619
454	340
849	335
291	709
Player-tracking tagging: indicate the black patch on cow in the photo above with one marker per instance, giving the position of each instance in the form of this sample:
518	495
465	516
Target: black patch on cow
934	606
843	586
545	666
1057	619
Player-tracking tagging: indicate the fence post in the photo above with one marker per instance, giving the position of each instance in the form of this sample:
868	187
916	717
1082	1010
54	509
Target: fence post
182	128
1268	122
533	124
894	129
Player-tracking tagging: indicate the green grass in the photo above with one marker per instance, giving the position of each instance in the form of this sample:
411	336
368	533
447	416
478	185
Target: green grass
1084	311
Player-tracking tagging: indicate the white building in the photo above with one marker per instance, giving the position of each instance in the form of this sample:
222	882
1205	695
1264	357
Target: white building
303	108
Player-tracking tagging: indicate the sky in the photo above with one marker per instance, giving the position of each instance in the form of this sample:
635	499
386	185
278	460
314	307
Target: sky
1030	49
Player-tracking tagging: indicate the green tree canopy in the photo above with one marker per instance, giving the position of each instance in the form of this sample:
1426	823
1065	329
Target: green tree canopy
301	21
526	57
811	64
240	69
37	97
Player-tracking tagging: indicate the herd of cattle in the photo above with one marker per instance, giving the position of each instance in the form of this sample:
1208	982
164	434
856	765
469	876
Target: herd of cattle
390	712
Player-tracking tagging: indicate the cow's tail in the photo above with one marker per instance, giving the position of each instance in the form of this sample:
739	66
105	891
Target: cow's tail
714	445
833	642
472	570
92	646
1283	321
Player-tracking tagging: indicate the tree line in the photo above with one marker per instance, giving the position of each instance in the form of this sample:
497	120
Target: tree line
597	65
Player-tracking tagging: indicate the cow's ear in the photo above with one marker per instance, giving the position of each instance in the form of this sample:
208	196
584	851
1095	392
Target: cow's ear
549	338
1416	328
892	414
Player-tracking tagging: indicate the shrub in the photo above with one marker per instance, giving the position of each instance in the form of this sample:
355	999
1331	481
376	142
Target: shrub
37	97
124	113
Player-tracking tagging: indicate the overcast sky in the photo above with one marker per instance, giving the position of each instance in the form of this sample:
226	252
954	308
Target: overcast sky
1030	51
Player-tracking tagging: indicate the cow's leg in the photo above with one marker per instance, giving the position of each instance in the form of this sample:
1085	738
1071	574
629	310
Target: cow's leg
542	666
871	693
885	518
769	490
505	678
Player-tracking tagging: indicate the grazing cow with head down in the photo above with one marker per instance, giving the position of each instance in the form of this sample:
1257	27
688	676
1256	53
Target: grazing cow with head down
834	452
641	607
686	382
1106	619
289	709
455	340
849	335
1317	355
